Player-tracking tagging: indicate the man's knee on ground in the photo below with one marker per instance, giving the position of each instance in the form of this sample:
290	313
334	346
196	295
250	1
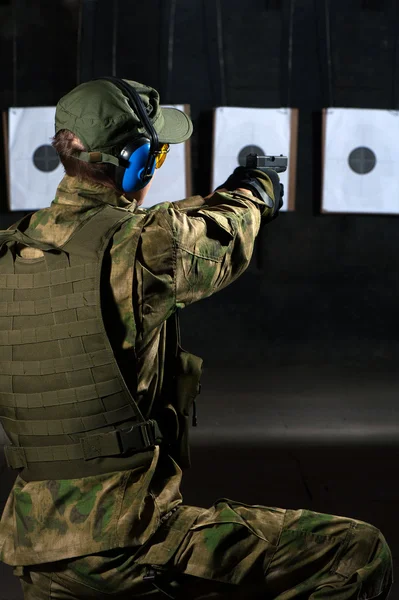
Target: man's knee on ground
365	556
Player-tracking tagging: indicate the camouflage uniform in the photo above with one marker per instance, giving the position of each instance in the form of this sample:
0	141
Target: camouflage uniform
126	533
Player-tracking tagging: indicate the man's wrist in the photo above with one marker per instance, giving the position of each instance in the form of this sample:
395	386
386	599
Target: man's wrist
245	191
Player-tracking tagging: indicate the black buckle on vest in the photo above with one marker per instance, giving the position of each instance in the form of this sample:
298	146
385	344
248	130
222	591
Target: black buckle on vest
139	437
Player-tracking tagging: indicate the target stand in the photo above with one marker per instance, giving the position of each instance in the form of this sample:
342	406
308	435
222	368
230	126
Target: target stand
34	169
360	157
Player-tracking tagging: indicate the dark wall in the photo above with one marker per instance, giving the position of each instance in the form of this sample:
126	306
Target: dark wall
338	272
321	287
311	329
39	62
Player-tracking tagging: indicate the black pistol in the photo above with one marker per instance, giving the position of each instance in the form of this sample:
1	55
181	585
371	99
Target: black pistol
277	163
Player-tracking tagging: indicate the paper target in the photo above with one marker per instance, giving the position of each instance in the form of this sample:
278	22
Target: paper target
173	180
34	167
360	161
242	131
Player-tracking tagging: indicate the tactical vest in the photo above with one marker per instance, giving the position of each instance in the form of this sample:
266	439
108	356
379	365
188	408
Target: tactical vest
64	403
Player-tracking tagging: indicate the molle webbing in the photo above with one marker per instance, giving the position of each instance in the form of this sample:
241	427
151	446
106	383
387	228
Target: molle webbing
46	305
62	395
38	280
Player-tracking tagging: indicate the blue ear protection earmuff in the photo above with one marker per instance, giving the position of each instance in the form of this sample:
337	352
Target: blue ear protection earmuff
135	174
137	158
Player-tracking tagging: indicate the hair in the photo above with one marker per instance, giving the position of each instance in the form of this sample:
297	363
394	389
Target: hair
66	144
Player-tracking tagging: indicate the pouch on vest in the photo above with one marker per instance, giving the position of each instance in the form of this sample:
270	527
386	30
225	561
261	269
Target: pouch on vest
181	392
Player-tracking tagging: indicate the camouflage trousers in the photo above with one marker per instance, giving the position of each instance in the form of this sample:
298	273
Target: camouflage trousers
231	550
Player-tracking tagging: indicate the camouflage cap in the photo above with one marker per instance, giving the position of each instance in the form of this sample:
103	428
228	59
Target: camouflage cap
100	115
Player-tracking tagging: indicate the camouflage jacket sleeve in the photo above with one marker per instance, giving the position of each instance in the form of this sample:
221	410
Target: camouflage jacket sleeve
213	242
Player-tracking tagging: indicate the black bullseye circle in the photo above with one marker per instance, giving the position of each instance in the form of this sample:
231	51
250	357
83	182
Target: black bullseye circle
362	160
242	155
45	158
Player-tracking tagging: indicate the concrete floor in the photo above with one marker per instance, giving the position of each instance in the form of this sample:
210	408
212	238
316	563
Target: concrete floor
324	439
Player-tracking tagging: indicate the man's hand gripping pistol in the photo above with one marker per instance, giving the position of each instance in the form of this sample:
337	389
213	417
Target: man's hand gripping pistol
270	166
260	176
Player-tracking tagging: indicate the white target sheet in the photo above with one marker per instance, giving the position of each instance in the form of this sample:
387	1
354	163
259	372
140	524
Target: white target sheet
173	180
34	167
264	131
361	157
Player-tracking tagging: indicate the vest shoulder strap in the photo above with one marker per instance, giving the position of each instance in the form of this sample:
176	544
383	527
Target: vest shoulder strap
94	234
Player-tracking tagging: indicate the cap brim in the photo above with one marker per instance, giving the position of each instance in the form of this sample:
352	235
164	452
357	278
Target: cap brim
177	126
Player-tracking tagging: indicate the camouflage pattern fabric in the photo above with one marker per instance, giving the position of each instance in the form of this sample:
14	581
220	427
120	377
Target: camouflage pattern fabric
187	251
127	534
231	551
